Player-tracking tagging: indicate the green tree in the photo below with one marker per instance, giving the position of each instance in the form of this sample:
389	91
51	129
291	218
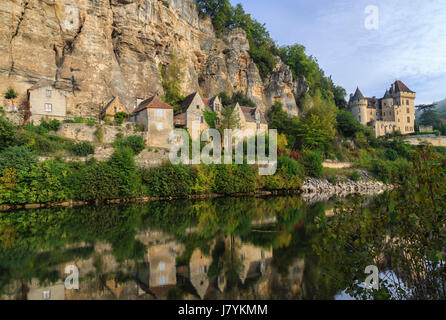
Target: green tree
7	133
11	95
171	77
230	118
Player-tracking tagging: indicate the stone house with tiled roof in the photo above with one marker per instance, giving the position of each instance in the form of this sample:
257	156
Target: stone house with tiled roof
157	118
113	107
251	119
394	112
193	109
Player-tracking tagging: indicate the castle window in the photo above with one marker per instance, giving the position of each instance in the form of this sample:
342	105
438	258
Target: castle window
408	110
407	102
408	119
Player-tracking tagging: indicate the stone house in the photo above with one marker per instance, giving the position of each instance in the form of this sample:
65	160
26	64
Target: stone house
46	102
254	260
162	265
394	112
193	109
157	118
251	119
111	108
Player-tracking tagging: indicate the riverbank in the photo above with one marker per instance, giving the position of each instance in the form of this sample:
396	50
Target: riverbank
312	190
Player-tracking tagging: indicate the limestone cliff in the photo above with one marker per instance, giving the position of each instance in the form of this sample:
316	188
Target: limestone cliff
97	49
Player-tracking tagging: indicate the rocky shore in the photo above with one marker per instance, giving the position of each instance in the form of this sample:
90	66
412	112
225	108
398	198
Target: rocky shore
316	190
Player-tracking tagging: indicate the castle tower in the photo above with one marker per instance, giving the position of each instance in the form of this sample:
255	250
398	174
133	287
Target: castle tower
358	107
404	107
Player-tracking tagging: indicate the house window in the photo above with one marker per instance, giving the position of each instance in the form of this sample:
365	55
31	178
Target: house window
160	126
162	281
137	117
115	109
46	295
198	107
203	269
48	107
160	113
48	93
162	266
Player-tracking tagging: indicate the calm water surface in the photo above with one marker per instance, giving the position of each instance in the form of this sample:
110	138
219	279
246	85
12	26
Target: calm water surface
234	248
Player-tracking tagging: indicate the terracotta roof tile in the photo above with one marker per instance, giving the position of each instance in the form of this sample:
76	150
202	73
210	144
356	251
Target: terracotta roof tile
152	103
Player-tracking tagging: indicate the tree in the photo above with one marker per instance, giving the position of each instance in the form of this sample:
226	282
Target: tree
171	77
230	118
7	132
347	124
11	94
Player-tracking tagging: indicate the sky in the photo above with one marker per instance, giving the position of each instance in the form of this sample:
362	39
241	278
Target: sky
397	40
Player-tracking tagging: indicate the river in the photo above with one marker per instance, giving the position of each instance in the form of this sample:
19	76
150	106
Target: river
231	248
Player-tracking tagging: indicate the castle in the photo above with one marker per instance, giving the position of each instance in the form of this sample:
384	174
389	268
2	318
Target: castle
394	112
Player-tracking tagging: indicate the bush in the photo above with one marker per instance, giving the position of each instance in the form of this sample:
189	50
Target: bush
168	180
95	181
82	149
347	124
17	157
135	143
124	167
391	155
291	166
7	132
355	176
312	163
119	117
50	125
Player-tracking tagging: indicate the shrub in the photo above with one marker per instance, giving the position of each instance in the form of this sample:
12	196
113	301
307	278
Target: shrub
168	180
119	117
136	143
347	124
124	167
50	125
7	132
82	149
312	163
355	176
17	157
96	181
391	154
291	166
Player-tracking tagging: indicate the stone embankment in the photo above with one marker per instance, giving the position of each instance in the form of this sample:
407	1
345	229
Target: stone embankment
317	190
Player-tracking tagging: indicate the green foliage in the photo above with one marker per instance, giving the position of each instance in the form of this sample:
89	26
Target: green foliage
11	94
168	181
82	149
242	100
312	162
50	125
355	176
171	76
124	167
119	117
291	166
95	181
17	157
347	124
230	179
407	230
135	143
230	118
211	118
7	132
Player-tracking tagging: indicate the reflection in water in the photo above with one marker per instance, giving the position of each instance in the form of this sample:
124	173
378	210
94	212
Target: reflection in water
244	248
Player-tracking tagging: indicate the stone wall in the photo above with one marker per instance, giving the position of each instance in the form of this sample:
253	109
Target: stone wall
337	165
15	117
88	132
434	140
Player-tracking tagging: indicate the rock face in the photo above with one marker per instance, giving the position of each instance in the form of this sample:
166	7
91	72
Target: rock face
94	50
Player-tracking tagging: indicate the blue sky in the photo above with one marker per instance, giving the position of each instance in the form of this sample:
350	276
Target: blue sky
409	45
